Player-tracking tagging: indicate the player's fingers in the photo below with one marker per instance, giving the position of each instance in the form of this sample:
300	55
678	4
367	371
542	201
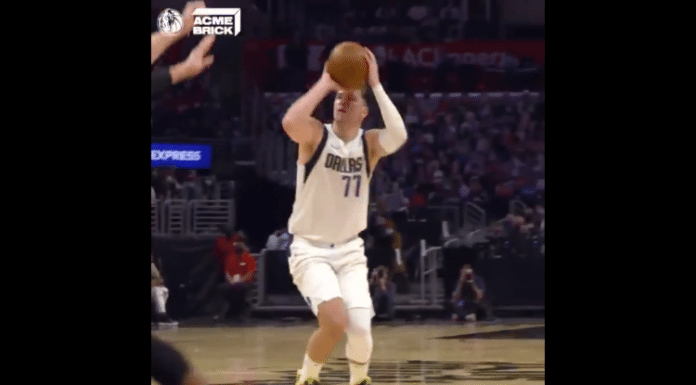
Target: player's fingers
370	54
192	6
208	61
204	45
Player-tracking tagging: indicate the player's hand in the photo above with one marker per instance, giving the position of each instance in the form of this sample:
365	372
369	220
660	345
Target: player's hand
187	15
372	70
199	60
330	83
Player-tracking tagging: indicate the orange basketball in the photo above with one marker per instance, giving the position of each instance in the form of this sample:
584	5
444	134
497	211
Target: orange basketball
347	65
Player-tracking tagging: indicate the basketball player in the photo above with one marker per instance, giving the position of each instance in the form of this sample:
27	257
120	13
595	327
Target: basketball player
327	262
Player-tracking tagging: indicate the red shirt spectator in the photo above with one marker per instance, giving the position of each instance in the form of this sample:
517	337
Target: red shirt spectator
240	262
223	246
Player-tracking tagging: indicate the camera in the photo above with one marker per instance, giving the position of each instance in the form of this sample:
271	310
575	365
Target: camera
468	276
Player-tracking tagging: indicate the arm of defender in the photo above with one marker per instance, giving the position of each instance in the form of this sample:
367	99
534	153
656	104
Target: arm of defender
160	42
197	61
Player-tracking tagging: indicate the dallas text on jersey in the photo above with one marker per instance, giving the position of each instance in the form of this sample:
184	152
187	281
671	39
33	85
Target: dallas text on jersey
345	165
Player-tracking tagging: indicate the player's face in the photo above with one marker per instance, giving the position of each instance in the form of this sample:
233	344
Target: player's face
349	106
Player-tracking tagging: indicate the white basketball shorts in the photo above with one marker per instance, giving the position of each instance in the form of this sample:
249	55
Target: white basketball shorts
323	272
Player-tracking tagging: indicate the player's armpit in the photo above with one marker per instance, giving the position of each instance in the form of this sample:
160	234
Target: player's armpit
376	151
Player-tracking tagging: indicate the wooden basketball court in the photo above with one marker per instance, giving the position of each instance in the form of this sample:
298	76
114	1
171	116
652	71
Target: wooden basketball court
506	352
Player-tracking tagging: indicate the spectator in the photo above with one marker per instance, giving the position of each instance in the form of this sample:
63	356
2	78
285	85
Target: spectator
383	293
469	298
395	201
477	194
192	185
237	274
159	294
224	245
157	183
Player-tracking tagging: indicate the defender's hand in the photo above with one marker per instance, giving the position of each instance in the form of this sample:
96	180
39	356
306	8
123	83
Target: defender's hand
199	60
187	15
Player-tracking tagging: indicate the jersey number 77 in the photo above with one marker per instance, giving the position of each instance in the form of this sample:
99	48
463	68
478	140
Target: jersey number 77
348	178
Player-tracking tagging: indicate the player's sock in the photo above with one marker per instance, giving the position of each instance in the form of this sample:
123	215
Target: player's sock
310	369
358	372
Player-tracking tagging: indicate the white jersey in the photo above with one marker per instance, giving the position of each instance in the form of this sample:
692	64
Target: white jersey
332	193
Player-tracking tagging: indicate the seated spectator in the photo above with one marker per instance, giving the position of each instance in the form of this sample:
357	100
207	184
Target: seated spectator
469	298
224	245
383	293
159	294
237	274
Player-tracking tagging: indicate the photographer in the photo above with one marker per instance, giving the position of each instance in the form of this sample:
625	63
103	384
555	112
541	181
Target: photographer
469	297
383	293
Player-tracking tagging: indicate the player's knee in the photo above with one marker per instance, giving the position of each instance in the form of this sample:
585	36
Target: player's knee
333	317
359	323
359	335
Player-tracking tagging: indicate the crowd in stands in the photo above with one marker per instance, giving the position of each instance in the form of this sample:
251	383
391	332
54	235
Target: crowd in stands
485	150
171	183
393	21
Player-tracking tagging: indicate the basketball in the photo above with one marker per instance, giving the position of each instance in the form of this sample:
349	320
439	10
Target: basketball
347	65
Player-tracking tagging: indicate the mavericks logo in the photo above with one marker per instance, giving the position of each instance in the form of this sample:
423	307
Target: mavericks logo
206	21
170	21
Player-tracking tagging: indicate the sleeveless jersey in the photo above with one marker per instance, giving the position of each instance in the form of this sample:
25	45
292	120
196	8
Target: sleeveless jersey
332	193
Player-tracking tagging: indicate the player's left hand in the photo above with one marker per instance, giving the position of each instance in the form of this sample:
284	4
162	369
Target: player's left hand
373	71
199	60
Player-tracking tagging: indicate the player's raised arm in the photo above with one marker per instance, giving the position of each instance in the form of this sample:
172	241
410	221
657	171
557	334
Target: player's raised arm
298	122
388	140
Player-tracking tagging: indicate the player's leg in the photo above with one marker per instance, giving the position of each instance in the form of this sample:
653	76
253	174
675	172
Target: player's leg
318	284
355	290
332	325
169	367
